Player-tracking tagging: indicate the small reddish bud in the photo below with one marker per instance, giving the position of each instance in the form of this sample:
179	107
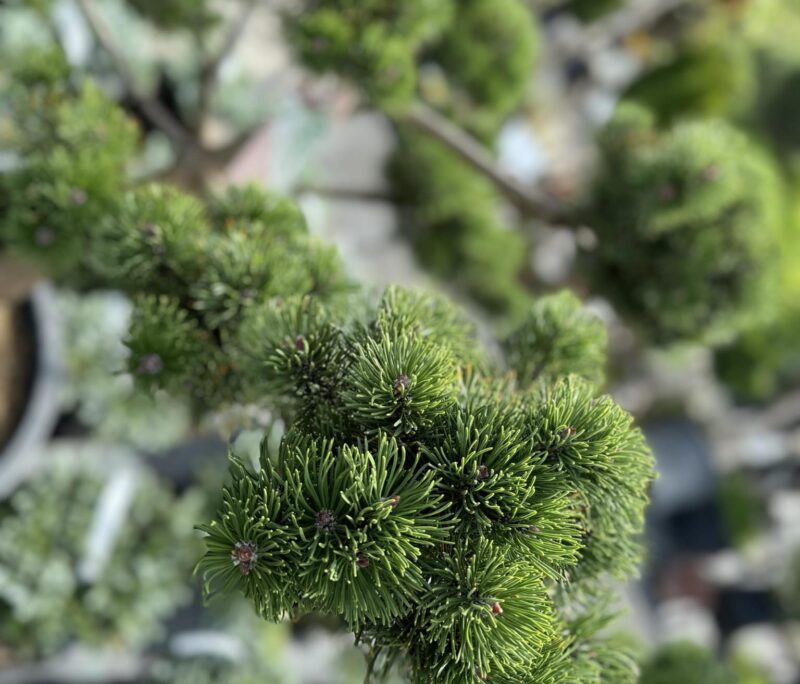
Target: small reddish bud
78	197
497	609
362	561
667	192
300	343
45	236
150	364
401	384
393	501
244	556
325	520
483	472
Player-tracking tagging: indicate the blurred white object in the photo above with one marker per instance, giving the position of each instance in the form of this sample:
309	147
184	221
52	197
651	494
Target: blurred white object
685	619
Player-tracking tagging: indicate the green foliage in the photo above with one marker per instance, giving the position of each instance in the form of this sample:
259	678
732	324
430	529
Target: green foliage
450	516
684	662
687	222
487	54
435	508
591	10
46	603
557	337
152	241
706	79
788	592
763	360
192	268
452	215
71	147
173	15
373	43
742	511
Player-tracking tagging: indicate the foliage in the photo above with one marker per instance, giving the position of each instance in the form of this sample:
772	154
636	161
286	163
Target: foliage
453	514
687	221
701	79
685	662
432	506
591	10
764	360
487	54
47	600
71	145
558	337
451	214
742	510
192	267
374	44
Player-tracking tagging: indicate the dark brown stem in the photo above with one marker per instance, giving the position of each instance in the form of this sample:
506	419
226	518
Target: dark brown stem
157	114
528	201
346	194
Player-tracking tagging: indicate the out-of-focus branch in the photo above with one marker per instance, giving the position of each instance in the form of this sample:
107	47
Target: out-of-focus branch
346	194
209	74
158	115
528	201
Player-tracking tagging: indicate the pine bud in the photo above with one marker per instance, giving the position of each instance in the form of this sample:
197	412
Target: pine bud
568	431
497	609
77	197
300	343
325	520
362	561
149	231
667	192
150	364
393	501
45	236
401	384
533	529
483	472
244	556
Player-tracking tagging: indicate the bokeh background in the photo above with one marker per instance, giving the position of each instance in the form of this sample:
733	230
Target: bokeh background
101	485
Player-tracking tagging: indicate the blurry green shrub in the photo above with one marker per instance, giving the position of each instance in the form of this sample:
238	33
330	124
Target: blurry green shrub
452	216
487	55
49	531
687	223
374	44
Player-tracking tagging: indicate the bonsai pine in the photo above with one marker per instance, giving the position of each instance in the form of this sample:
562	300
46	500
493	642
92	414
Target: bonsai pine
459	509
453	516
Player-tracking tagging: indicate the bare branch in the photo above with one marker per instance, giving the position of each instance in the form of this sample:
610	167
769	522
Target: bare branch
527	200
158	115
346	194
210	71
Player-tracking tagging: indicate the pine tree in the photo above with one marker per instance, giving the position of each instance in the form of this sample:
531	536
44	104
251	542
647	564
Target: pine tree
432	503
460	510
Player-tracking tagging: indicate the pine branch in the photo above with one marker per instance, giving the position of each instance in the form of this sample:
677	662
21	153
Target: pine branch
210	70
158	115
529	201
367	196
